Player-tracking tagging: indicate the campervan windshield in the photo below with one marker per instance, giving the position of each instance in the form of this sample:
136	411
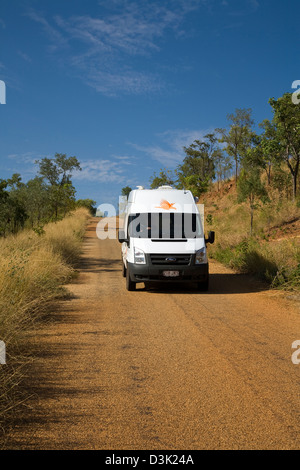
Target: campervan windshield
168	226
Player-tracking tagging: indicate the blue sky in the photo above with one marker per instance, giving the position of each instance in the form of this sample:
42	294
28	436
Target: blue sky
125	84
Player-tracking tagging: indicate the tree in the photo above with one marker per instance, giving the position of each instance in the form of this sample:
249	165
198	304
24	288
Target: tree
3	207
198	168
16	207
66	195
265	152
126	191
58	172
88	204
165	177
223	166
286	121
239	136
41	198
36	200
251	188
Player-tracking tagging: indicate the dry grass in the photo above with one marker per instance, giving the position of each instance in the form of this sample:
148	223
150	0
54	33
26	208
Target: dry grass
272	253
32	270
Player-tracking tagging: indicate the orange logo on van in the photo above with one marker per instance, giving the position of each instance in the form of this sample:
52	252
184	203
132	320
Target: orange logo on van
166	205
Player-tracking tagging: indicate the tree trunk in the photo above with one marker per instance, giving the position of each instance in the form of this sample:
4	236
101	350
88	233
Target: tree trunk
251	221
294	171
294	186
269	167
251	200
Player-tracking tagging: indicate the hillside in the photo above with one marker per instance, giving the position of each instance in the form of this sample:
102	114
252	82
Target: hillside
273	250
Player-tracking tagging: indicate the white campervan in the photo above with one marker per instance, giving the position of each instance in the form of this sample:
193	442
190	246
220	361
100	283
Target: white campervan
163	239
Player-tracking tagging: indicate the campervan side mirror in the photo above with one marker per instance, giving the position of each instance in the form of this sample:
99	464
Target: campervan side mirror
211	237
121	236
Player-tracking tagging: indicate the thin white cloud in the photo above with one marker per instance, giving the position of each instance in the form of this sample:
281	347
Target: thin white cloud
57	38
23	163
165	157
25	56
102	49
102	171
125	160
113	81
109	170
170	151
27	157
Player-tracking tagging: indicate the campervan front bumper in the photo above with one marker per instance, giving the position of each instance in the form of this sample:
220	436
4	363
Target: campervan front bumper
179	268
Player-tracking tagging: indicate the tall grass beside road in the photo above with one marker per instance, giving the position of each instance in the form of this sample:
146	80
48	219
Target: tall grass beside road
33	268
276	262
272	253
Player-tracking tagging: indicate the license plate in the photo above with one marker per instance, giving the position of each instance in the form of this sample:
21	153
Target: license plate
171	273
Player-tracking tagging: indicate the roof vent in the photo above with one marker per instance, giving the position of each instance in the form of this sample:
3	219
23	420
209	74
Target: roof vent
165	187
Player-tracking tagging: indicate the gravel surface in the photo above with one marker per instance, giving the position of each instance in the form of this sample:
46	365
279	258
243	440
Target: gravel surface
166	368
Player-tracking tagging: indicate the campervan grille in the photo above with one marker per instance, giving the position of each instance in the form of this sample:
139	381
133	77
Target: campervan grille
167	259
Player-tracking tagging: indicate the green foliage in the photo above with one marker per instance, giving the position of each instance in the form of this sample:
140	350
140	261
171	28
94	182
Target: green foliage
197	171
165	177
12	209
223	166
48	197
286	122
251	188
239	137
209	219
282	181
58	172
88	204
247	257
39	230
126	191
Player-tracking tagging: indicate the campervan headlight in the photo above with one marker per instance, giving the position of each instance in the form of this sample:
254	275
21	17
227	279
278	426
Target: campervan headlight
139	256
200	256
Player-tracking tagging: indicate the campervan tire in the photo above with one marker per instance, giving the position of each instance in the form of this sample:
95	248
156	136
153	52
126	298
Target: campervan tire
130	285
203	286
123	269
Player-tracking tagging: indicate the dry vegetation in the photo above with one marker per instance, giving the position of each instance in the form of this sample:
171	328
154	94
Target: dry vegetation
273	252
33	268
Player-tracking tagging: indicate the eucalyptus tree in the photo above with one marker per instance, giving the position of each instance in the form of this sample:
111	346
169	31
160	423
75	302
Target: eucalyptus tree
286	142
165	177
58	172
238	137
197	170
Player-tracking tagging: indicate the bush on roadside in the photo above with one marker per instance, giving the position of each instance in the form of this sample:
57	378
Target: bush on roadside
276	262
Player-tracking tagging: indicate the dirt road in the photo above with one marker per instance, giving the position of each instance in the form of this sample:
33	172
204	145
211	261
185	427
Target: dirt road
167	369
